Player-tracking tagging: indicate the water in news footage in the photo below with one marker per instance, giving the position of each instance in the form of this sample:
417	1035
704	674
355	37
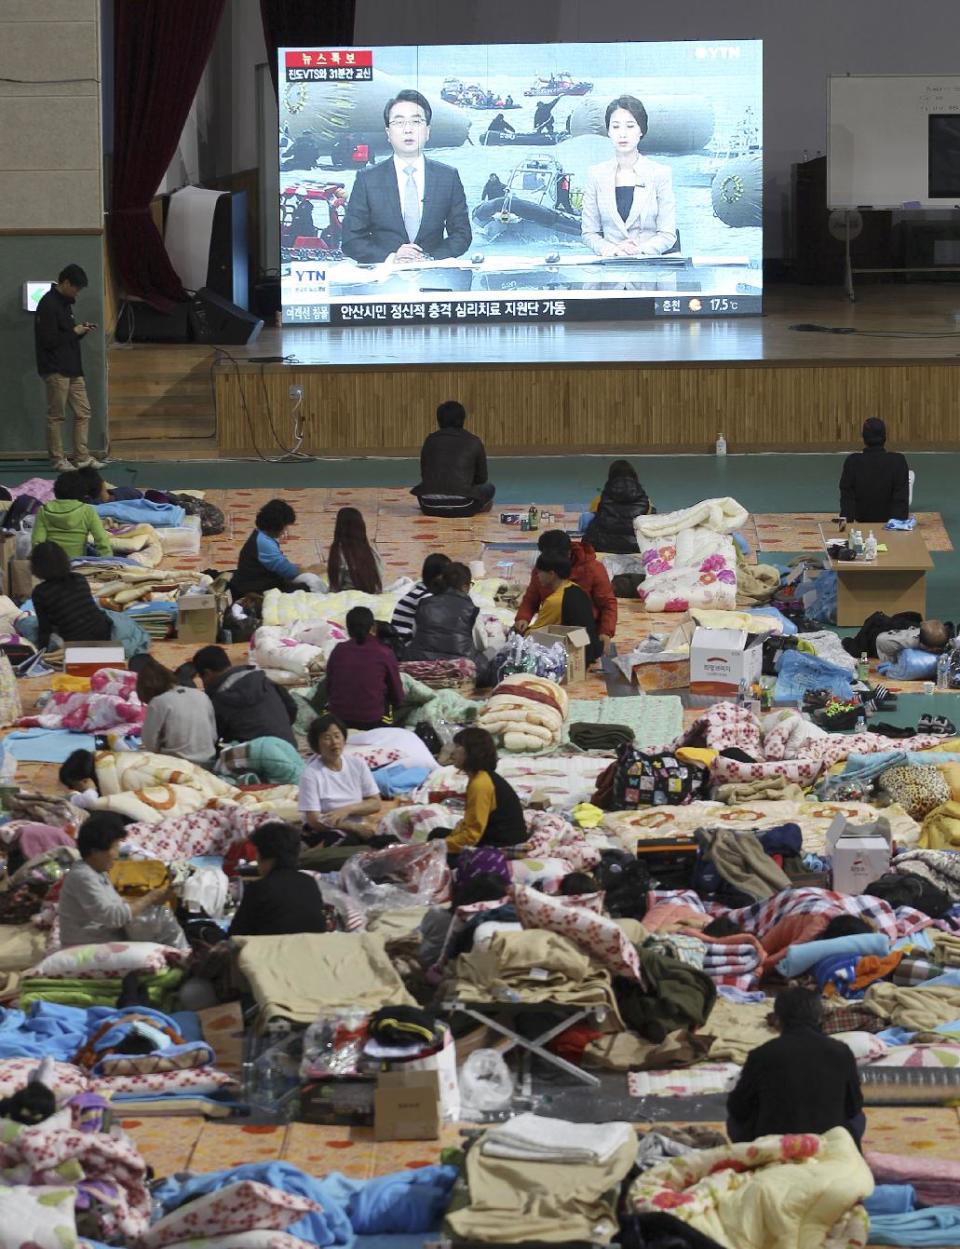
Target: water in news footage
524	186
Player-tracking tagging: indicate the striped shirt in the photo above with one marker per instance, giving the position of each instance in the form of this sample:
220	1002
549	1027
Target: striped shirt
406	609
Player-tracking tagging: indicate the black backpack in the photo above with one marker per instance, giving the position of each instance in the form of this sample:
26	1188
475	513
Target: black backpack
906	889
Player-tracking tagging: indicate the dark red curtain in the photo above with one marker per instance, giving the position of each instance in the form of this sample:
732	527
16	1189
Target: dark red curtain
161	48
306	24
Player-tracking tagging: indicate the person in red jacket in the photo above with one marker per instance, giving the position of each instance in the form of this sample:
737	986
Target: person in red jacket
586	571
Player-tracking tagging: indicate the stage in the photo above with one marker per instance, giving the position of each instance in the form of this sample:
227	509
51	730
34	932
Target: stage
642	387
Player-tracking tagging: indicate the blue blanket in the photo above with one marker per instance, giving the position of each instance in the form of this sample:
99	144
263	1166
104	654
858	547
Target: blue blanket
142	512
49	1030
935	1227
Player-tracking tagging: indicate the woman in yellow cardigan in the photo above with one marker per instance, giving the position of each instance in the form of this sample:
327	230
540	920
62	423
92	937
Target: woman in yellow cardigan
494	814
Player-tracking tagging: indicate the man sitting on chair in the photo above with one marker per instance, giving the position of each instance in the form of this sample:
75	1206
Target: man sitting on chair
875	482
406	209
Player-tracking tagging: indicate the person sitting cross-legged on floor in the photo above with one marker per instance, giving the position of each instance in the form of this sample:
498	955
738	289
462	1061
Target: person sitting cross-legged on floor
283	900
803	1081
69	520
62	601
363	676
246	702
337	791
494	813
875	482
90	909
564	603
180	720
406	609
453	468
261	564
586	571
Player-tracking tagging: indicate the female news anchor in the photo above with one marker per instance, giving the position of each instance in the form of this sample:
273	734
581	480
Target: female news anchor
628	206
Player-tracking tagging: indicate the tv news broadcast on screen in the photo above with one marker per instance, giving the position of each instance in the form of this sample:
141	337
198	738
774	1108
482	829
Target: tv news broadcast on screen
521	182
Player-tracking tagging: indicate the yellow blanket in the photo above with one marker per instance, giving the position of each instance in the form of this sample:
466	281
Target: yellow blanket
778	1192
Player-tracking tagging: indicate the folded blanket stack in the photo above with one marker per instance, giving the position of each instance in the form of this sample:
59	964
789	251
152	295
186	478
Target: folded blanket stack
443	674
538	1139
525	713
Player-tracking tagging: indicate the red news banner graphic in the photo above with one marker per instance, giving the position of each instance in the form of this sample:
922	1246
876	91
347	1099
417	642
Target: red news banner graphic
353	65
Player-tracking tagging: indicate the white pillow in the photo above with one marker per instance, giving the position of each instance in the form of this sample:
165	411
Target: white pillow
42	1218
108	959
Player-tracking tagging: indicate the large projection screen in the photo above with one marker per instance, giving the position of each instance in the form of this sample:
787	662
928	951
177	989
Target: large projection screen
515	200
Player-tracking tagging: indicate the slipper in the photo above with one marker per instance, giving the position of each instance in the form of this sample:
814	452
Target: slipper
943	726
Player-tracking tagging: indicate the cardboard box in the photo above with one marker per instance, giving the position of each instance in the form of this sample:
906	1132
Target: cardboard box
444	1063
83	659
406	1106
198	619
8	548
668	673
721	658
575	640
860	852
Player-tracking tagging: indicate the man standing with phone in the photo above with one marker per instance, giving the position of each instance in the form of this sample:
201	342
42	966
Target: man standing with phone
57	336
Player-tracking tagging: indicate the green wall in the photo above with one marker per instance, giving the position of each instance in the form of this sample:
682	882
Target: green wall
22	397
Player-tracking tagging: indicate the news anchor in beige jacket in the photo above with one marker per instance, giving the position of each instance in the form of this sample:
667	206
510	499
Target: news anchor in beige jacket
628	205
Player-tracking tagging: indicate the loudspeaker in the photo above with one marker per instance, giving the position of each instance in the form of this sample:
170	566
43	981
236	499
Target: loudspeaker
138	322
216	320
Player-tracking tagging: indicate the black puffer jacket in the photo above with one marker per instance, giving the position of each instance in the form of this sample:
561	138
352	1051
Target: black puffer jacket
248	705
622	500
452	461
443	627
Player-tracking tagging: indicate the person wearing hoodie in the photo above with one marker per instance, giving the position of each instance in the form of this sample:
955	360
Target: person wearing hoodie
586	571
246	703
69	521
621	501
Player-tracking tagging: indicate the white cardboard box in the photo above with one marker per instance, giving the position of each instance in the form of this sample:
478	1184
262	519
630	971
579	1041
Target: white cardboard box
721	658
860	852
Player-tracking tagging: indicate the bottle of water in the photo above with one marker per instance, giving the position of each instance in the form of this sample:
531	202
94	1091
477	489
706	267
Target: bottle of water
943	671
870	548
721	447
863	668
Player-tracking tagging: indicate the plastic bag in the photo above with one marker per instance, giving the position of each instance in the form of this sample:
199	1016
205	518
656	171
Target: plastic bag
799	672
333	1046
486	1084
911	665
398	877
524	655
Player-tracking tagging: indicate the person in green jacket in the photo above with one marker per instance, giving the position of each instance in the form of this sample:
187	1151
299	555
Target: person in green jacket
68	521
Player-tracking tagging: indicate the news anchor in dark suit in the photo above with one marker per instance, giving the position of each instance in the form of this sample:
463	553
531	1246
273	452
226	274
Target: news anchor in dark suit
407	208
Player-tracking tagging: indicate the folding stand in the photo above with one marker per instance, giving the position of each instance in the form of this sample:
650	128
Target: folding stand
536	1046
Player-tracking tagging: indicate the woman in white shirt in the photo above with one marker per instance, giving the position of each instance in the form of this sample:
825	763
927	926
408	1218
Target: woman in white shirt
337	791
628	204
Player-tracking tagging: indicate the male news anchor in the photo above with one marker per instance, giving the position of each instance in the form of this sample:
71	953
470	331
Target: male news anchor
406	209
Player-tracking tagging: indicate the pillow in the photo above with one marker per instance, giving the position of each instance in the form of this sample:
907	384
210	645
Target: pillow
918	789
179	1058
375	756
865	1046
261	1239
158	1083
37	1218
598	935
242	1207
107	959
64	1079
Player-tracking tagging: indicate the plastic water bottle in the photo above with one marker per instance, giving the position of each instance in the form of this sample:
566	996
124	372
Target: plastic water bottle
943	672
863	668
721	447
870	547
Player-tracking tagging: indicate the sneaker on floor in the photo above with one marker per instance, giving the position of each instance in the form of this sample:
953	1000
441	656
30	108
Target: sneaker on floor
61	464
89	462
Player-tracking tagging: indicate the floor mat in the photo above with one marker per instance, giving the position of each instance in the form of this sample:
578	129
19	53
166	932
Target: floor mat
655	719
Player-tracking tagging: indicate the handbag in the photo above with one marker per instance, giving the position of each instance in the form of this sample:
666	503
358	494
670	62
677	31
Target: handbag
654	780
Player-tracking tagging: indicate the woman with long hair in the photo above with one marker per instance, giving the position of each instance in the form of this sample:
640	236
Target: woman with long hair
180	720
363	676
353	562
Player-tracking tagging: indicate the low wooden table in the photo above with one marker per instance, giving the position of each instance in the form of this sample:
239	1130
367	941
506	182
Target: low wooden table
895	581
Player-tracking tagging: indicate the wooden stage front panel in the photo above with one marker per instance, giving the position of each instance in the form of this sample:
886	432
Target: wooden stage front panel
640	410
642	388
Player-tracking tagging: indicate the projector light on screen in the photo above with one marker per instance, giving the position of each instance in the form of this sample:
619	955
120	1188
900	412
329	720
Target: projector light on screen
33	292
520	182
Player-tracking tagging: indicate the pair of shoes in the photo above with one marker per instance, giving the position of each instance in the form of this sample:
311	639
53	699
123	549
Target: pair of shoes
878	699
938	725
60	464
817	699
89	462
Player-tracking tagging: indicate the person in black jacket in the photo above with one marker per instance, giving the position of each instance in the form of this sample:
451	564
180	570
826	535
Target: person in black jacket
246	703
622	500
875	482
57	340
801	1082
443	624
62	601
284	900
453	468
